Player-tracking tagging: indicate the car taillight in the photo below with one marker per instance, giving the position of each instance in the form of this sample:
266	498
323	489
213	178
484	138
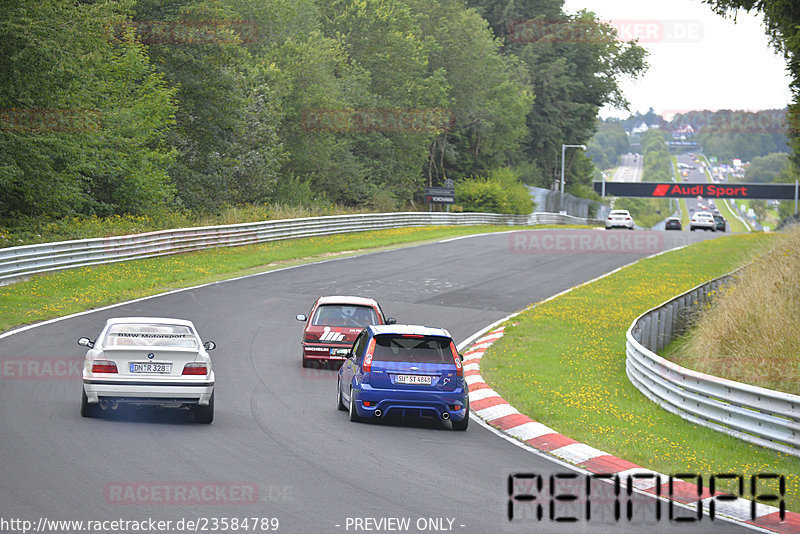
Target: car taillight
104	366
195	369
418	336
457	360
367	366
311	337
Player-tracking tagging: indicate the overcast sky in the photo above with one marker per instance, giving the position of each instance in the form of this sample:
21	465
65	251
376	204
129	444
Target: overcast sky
698	59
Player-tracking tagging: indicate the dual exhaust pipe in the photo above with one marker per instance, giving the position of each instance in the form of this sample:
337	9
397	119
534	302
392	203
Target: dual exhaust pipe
445	415
108	404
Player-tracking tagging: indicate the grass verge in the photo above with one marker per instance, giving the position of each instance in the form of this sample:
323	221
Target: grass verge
53	295
757	345
563	364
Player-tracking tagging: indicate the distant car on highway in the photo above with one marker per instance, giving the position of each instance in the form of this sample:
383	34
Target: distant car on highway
673	223
148	361
722	223
404	370
703	220
333	324
619	219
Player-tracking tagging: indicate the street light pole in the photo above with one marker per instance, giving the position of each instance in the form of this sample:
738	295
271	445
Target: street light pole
563	153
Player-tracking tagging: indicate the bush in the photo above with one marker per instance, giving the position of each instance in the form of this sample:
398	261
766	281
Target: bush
500	192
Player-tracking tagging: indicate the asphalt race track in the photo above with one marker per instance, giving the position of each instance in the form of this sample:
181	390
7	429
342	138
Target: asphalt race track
278	448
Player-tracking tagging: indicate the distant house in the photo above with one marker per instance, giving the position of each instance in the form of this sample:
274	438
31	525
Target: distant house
684	132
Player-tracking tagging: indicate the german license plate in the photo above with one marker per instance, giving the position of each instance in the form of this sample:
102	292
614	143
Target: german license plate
151	368
414	379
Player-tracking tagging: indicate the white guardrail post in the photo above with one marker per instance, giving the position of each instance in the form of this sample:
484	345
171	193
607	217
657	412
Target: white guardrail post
758	415
18	263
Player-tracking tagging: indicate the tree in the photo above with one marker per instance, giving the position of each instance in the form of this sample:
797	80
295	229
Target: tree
85	116
769	169
575	64
488	92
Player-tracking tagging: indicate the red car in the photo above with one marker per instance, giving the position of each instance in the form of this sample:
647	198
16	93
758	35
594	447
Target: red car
333	324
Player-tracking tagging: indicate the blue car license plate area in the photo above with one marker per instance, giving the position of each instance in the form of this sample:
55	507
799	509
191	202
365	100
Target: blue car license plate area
424	380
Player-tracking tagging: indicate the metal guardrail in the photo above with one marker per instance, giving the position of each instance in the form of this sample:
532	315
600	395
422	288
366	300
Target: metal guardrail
17	263
758	415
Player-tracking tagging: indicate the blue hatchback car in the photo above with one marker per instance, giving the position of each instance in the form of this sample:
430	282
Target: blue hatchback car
404	370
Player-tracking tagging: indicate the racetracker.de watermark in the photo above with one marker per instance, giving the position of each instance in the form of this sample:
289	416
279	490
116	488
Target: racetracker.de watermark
583	31
585	242
769	121
377	120
184	32
39	120
183	493
41	368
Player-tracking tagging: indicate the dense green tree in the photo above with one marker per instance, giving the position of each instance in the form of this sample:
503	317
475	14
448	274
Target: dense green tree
575	64
225	129
488	93
768	169
84	117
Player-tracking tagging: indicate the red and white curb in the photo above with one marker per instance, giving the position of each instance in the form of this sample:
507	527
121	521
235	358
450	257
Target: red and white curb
489	406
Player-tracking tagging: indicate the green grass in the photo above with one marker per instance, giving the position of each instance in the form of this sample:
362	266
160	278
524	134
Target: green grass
53	295
563	363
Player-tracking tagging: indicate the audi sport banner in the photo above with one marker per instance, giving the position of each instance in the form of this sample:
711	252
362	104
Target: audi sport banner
688	190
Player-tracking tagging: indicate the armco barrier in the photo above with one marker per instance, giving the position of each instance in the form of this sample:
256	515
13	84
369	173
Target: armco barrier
16	263
761	416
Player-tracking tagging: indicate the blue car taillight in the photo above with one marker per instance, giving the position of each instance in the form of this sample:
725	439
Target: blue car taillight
457	360
367	365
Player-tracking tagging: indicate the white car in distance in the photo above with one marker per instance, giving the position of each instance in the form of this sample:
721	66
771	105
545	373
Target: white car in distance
148	361
619	219
704	220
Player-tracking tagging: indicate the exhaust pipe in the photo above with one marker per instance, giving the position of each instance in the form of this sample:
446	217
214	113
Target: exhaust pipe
445	415
378	413
108	404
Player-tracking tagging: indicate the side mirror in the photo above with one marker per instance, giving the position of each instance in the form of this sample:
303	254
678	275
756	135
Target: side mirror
391	320
301	317
86	342
210	345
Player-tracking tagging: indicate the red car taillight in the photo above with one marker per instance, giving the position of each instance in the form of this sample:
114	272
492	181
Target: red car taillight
457	360
367	366
195	369
311	337
104	366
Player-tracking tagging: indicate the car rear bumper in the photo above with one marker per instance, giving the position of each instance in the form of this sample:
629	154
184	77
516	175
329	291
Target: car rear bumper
313	351
411	402
132	392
